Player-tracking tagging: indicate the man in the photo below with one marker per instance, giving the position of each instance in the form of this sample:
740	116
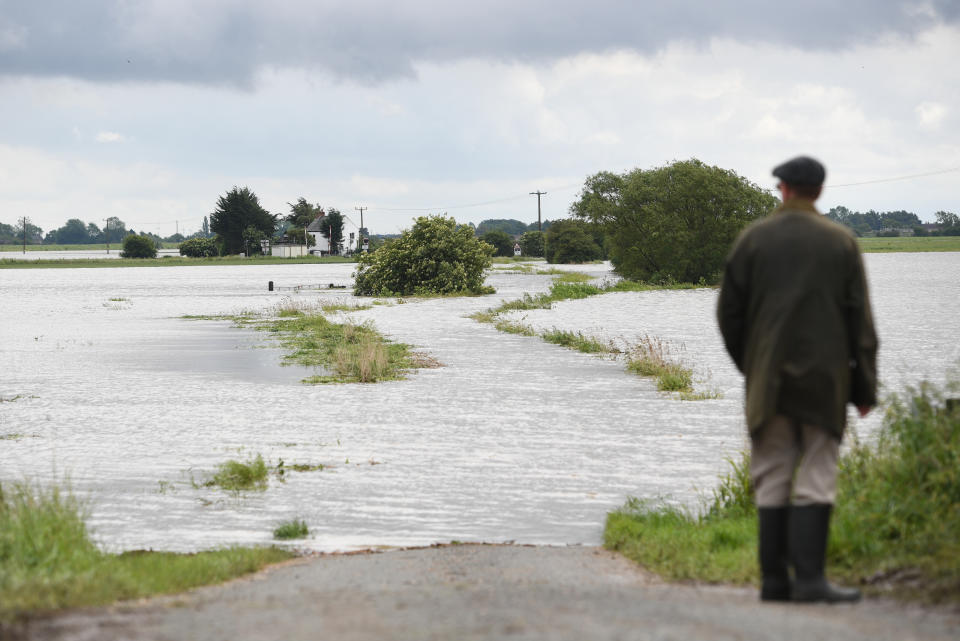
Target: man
795	318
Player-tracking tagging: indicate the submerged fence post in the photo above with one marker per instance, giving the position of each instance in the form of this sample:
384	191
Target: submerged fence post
270	286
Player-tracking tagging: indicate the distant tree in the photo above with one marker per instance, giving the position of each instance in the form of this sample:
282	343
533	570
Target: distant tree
94	234
15	233
436	256
114	230
136	246
531	243
672	222
302	213
236	212
198	248
571	241
949	223
205	228
501	241
331	226
507	225
73	232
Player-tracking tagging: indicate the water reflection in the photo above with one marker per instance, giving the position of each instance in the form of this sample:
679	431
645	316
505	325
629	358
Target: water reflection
513	439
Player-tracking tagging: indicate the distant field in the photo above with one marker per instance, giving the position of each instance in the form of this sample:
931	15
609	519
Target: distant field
911	244
169	261
70	248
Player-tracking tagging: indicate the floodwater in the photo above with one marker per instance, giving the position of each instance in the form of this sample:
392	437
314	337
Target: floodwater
73	254
105	385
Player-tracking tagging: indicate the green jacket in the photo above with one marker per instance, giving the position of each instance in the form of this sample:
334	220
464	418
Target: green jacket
795	317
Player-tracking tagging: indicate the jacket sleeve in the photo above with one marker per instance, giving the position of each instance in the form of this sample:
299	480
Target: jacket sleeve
732	304
862	337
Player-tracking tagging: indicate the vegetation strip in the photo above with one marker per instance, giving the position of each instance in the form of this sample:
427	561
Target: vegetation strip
910	244
895	523
349	352
165	261
650	357
49	562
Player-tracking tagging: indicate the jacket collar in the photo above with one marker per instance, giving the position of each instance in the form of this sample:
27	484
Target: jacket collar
798	204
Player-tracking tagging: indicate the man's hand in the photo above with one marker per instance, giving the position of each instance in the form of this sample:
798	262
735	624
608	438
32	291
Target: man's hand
863	410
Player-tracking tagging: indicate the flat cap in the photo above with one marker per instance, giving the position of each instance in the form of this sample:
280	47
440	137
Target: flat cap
802	170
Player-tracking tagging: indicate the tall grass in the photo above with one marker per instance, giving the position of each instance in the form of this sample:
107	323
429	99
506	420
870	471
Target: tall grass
237	476
48	560
577	341
895	523
651	357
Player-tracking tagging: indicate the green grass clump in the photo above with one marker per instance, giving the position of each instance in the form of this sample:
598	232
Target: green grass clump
577	341
511	327
236	476
651	357
895	523
48	561
295	529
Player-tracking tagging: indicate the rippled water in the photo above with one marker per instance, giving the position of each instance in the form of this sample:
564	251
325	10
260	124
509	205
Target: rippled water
514	439
74	254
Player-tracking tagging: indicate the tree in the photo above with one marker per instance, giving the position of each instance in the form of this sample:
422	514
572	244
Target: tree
198	248
73	232
675	222
237	211
136	246
572	241
506	225
331	226
205	229
15	233
531	243
114	230
501	241
949	223
436	256
303	213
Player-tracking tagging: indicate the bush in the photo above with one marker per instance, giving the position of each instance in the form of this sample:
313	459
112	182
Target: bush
198	248
501	241
434	257
531	243
135	246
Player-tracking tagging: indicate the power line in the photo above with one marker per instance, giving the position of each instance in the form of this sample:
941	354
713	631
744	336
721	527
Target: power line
467	206
887	180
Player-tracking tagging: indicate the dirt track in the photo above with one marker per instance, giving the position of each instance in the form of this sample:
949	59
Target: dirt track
472	592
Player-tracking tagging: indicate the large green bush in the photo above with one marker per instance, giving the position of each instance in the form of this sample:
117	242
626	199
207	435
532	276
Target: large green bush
198	248
501	241
675	222
135	246
434	257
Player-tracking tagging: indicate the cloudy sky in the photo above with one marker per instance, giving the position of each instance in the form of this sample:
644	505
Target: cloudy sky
150	109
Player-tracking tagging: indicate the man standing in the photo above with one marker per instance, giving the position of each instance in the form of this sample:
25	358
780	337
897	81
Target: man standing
795	318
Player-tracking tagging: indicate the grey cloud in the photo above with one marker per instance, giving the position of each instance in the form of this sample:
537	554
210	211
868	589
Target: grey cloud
226	41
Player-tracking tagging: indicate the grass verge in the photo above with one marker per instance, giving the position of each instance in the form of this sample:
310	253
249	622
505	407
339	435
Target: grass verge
910	244
48	561
895	523
349	352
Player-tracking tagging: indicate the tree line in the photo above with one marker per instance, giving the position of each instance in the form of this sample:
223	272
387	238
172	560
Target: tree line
894	223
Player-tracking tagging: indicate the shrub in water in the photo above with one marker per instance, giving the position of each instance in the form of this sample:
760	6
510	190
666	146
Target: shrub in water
135	246
236	476
198	248
434	257
296	529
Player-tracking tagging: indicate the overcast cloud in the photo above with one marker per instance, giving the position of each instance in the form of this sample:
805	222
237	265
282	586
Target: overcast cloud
149	110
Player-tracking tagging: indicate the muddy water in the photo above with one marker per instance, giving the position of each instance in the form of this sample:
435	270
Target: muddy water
513	439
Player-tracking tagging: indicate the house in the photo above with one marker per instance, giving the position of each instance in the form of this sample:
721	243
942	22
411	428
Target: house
321	244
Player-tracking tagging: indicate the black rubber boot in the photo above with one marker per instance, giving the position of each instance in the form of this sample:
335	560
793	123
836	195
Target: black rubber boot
773	554
809	527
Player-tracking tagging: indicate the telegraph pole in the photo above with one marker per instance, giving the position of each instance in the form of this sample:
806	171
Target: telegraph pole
106	233
538	194
24	234
360	234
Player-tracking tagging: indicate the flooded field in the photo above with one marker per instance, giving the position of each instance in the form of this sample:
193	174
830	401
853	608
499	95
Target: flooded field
105	385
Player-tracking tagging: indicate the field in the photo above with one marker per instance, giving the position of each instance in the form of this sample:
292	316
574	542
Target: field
911	244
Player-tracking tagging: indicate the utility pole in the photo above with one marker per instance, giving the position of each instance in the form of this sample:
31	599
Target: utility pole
360	234
24	234
538	194
106	233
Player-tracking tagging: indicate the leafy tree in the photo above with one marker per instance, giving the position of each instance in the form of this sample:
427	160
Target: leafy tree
303	213
672	222
949	223
331	226
13	234
136	246
236	212
436	256
501	241
198	248
93	233
114	230
205	228
571	241
251	240
73	232
507	225
531	243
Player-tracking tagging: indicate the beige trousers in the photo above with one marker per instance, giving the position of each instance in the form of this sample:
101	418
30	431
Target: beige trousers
794	464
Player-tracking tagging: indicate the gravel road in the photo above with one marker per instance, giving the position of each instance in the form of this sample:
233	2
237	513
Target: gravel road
473	592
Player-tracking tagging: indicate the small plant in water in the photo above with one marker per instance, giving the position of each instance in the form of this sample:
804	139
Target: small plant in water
295	529
236	476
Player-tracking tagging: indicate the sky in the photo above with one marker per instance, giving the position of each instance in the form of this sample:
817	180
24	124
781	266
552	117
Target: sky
149	110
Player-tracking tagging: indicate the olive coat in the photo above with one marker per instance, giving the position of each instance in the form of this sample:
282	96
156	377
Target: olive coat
795	317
